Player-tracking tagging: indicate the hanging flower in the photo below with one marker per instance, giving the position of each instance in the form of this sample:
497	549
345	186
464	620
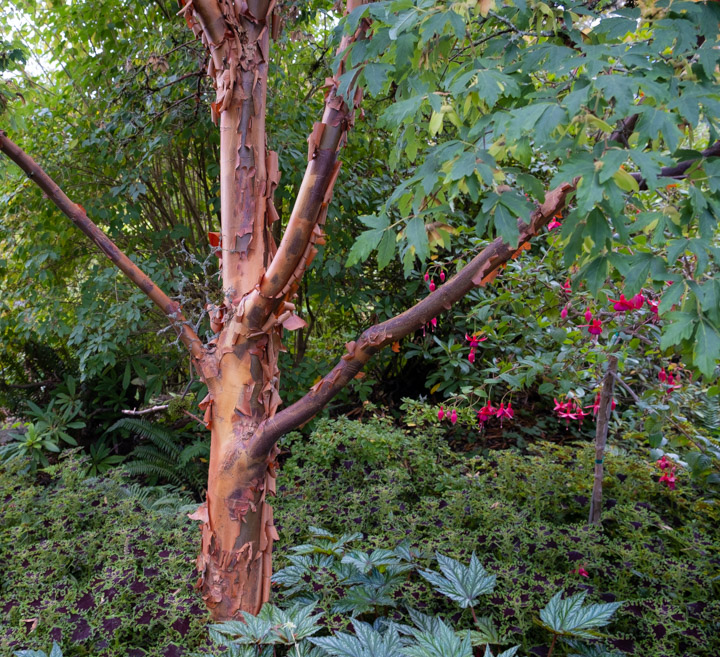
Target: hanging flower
596	405
638	300
622	304
426	277
594	327
453	416
442	276
662	375
663	462
564	311
432	286
554	224
653	307
588	315
474	341
503	412
486	412
433	323
441	413
567	287
570	409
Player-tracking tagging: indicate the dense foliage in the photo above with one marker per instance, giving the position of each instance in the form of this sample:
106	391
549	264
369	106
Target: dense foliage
105	568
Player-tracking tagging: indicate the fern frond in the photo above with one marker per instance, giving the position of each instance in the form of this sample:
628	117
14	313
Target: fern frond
158	435
191	452
154	470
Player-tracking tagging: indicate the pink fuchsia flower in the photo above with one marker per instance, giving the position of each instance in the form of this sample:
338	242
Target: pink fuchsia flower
622	304
580	570
442	276
638	300
432	286
662	375
567	287
653	307
596	405
474	341
503	412
453	416
486	412
554	224
588	315
426	277
594	327
668	477
663	462
441	413
564	311
433	323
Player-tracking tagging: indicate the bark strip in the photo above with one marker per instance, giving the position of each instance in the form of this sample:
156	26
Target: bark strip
76	213
601	433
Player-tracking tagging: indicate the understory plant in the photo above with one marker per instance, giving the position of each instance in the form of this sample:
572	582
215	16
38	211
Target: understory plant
367	585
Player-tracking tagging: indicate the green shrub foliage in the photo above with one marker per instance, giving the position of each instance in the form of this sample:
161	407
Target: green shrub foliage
106	568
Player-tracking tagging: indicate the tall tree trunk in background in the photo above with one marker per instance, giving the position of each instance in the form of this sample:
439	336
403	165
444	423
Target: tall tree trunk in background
601	432
238	531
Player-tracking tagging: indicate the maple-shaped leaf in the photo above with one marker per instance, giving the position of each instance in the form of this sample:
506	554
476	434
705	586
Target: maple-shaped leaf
464	584
570	618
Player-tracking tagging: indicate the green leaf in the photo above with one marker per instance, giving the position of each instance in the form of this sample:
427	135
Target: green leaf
417	237
570	618
464	584
595	273
681	328
402	110
672	295
386	250
364	245
506	224
706	352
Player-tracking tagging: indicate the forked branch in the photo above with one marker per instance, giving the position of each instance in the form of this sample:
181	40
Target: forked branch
475	273
297	247
76	213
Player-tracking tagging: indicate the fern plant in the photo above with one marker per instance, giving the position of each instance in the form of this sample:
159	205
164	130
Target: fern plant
162	457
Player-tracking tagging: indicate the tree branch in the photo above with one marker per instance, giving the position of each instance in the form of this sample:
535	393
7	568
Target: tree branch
678	170
76	213
375	338
296	249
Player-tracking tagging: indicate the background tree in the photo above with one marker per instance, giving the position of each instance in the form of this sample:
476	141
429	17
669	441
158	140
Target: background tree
488	104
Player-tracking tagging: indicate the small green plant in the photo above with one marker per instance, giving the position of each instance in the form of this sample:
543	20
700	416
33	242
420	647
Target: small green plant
102	458
367	584
163	459
569	617
53	423
55	651
31	444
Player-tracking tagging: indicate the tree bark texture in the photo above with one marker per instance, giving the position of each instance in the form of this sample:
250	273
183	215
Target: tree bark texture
259	281
601	433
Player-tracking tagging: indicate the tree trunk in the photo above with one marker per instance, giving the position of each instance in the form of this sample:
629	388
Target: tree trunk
601	433
237	531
